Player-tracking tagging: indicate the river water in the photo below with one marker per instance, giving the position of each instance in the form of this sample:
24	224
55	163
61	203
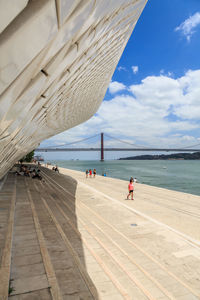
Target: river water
179	175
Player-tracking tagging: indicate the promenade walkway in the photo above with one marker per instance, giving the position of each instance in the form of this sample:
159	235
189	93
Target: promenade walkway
76	238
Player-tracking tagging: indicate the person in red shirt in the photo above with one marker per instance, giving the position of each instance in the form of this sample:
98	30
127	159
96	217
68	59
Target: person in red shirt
90	173
130	189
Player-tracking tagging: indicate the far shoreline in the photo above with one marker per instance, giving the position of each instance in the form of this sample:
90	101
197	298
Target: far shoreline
174	156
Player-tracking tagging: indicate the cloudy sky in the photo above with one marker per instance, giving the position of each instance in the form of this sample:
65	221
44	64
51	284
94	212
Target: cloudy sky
154	96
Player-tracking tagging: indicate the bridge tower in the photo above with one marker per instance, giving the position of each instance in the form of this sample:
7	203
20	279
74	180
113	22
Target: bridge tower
102	149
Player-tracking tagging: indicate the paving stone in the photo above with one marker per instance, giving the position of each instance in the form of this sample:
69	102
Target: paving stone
187	297
43	294
62	264
106	288
27	270
93	267
177	289
98	277
29	284
113	297
29	228
27	250
27	243
30	259
69	287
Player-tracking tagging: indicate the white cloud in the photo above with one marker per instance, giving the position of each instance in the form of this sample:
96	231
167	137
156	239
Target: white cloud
190	86
188	26
116	86
158	92
135	69
169	74
160	111
120	68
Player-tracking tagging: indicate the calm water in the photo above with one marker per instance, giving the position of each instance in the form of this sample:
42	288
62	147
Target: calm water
176	175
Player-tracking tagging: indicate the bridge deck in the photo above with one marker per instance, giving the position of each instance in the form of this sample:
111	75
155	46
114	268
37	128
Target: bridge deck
72	238
117	149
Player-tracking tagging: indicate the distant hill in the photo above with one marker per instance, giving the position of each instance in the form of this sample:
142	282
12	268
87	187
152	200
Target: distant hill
185	156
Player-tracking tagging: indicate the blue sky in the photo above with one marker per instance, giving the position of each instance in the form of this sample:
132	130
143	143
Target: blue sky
155	45
154	96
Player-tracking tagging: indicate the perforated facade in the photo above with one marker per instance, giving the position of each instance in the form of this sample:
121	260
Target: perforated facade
56	60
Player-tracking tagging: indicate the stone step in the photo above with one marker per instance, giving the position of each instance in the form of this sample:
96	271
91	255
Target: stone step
67	272
28	273
7	209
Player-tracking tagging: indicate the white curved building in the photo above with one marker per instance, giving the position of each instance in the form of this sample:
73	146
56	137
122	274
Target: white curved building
56	60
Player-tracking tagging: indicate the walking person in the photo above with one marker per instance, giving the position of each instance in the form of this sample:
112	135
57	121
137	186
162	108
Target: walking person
130	189
94	172
86	173
90	173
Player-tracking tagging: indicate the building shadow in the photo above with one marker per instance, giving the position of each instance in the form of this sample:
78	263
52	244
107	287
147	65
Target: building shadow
59	192
53	200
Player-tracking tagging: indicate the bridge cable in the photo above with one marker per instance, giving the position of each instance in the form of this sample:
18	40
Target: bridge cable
105	134
191	146
57	146
144	146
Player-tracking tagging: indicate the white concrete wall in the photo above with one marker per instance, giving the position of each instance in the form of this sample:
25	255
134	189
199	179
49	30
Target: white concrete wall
56	60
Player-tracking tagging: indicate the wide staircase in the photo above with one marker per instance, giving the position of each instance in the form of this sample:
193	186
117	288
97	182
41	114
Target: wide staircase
41	255
54	246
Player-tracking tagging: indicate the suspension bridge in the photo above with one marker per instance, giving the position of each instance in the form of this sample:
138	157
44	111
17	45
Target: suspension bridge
101	149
